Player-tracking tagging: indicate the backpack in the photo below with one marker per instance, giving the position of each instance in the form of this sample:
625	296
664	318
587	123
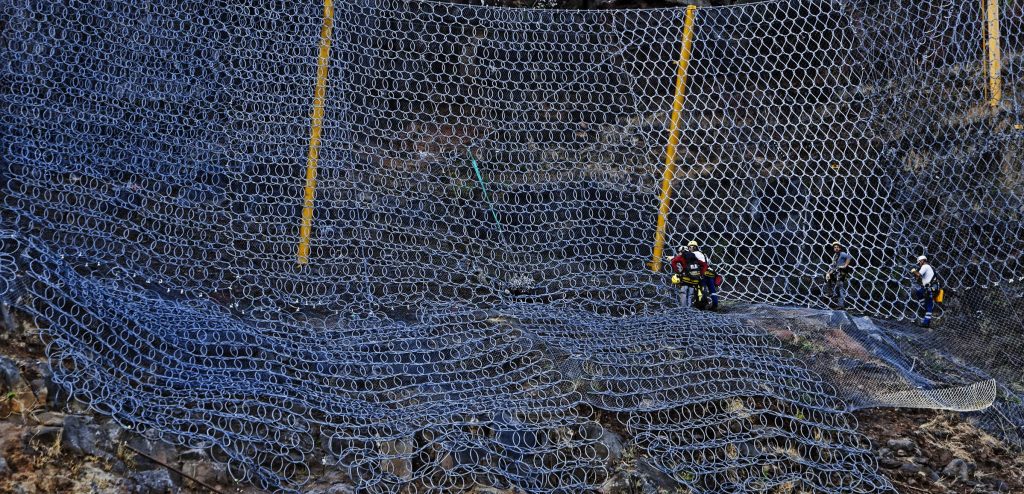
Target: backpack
692	271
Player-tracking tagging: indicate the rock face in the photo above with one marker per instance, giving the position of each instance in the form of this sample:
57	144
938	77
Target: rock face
938	452
47	449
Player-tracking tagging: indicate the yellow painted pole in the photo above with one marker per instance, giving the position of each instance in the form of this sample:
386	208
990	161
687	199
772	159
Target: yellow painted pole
995	81
319	99
673	139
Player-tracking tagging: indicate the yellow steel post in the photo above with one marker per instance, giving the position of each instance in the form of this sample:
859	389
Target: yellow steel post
673	139
995	81
319	99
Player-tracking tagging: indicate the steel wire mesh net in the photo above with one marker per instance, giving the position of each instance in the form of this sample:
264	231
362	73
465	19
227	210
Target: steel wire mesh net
481	186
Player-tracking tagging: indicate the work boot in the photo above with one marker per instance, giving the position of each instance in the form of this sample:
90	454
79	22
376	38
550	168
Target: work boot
926	323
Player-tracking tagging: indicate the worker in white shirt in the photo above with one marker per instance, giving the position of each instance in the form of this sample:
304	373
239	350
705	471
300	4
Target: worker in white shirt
707	278
925	276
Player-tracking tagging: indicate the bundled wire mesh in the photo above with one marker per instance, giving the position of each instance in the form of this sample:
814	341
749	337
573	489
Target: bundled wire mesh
480	187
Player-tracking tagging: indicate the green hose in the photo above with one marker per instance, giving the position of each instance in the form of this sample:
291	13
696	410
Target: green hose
483	187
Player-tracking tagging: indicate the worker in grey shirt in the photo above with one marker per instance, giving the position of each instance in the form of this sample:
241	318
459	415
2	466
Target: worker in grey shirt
839	276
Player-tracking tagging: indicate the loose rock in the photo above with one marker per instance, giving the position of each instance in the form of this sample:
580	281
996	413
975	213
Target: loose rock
52	419
46	436
612	443
156	449
335	489
152	482
909	469
902	445
209	472
957	469
10	375
890	463
56	395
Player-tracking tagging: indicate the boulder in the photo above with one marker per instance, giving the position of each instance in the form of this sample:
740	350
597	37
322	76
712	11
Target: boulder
56	396
154	448
515	435
396	457
612	442
653	479
208	471
152	482
80	434
10	375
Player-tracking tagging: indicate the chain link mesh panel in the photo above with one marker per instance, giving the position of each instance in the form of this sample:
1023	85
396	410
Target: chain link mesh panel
485	202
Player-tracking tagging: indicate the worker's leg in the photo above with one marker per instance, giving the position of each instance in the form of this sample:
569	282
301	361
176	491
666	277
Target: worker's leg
841	293
711	292
919	294
929	305
688	296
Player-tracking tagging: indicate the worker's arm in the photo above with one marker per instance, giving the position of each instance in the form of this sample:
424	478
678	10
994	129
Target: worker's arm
674	265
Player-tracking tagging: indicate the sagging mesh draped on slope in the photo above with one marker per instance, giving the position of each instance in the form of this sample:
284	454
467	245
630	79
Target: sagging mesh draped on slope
440	337
500	397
